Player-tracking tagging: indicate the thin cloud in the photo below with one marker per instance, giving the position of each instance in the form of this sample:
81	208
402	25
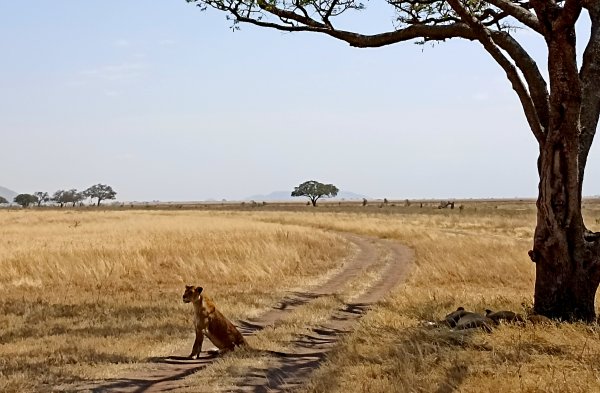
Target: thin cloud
117	72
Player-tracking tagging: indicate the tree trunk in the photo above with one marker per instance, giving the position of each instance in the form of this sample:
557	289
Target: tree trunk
99	201
565	253
313	200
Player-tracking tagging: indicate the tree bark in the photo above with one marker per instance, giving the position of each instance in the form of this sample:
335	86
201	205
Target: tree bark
565	253
566	256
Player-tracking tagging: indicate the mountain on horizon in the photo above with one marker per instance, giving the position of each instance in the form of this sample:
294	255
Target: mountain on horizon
8	194
286	196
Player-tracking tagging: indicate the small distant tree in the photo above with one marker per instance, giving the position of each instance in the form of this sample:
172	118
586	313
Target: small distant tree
3	200
25	199
364	202
314	190
72	196
58	197
42	197
101	192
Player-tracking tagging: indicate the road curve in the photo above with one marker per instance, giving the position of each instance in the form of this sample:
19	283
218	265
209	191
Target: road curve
304	354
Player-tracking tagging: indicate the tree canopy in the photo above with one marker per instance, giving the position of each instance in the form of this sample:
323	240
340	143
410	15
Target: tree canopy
72	196
58	197
3	200
315	190
25	199
42	197
561	106
101	192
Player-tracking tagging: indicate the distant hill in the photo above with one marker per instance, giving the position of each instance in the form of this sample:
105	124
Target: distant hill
286	196
8	194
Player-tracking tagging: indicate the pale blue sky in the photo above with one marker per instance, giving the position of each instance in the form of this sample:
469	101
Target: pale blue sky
164	102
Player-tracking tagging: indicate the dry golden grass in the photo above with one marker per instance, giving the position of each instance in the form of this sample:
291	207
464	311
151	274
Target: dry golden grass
81	292
233	370
78	302
477	259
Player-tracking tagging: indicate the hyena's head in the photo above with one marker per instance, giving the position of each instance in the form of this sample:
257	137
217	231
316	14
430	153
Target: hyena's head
191	293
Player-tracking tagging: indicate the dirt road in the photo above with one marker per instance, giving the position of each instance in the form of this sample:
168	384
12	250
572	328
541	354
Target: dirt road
305	353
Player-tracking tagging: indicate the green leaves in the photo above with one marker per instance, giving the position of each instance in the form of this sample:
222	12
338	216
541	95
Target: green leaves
315	190
25	199
101	192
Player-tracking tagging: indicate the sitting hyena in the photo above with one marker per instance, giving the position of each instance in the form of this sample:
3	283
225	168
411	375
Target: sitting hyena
210	322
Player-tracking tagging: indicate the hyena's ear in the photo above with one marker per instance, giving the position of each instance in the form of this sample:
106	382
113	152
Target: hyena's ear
198	290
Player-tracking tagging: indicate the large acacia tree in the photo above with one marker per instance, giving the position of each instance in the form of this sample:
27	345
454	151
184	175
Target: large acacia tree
561	107
315	190
101	192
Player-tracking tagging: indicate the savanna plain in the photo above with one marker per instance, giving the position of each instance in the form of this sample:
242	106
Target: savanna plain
89	294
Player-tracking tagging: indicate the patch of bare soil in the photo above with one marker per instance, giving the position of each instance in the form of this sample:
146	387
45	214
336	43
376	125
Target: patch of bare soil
286	370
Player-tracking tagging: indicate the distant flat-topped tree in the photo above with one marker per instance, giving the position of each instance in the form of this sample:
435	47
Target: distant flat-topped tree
72	196
101	192
314	190
3	200
25	199
561	105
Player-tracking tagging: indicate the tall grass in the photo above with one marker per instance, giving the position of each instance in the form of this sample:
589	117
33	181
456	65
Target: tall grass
477	260
92	299
83	291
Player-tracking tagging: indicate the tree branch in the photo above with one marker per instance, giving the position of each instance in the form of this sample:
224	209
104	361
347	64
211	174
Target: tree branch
432	33
328	13
521	14
301	8
538	89
590	80
590	4
485	38
545	11
570	12
281	13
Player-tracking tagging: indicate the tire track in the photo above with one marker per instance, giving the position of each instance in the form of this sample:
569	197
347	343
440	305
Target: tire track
306	353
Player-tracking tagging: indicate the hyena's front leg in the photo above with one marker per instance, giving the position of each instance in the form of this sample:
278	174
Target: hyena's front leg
197	348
